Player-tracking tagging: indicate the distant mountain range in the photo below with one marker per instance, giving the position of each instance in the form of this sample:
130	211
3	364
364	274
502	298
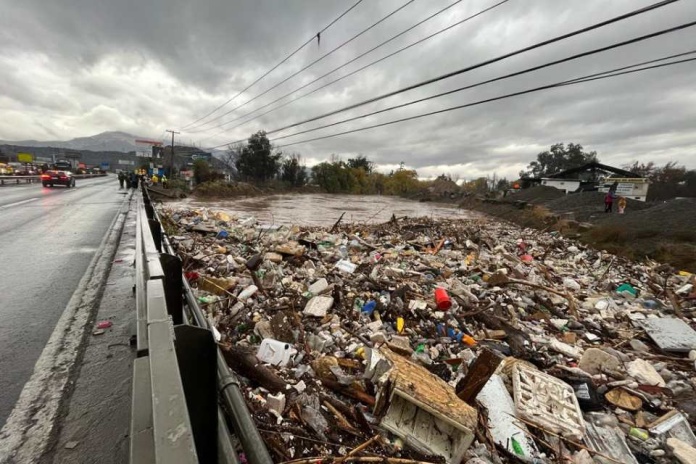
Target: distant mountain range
106	141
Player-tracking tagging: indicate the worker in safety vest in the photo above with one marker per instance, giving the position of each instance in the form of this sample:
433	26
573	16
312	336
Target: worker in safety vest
154	179
164	181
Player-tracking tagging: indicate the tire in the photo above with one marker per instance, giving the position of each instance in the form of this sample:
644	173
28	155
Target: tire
44	184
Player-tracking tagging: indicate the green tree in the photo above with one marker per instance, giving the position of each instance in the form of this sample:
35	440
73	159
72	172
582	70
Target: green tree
258	161
201	171
361	162
402	182
479	185
557	159
292	171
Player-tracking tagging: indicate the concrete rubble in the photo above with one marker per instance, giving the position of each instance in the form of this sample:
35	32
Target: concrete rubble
446	341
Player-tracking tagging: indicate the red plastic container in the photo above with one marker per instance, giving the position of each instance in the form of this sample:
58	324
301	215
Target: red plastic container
442	299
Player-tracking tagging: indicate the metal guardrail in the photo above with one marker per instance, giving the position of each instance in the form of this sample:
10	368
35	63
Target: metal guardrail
7	180
179	368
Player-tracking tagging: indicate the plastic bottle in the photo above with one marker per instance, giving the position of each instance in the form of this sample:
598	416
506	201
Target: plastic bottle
343	250
369	307
247	292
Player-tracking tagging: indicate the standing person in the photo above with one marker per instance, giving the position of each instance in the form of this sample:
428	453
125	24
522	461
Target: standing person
608	201
134	180
165	181
622	204
154	179
121	178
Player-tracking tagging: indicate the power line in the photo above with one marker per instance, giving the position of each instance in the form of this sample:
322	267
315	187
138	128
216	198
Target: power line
478	65
514	74
310	64
430	36
540	44
588	78
310	40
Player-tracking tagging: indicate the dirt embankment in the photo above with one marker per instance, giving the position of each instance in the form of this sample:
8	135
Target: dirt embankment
664	231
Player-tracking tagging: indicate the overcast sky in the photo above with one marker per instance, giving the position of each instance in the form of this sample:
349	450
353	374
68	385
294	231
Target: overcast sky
74	68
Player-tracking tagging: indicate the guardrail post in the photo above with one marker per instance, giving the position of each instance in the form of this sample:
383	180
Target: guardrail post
196	354
156	233
173	286
149	210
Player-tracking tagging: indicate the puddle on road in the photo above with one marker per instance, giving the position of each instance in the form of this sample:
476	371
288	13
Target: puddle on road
324	210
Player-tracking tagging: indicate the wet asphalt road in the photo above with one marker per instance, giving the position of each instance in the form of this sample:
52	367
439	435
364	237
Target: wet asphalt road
47	239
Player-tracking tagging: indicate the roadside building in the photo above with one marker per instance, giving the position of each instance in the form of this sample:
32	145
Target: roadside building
599	177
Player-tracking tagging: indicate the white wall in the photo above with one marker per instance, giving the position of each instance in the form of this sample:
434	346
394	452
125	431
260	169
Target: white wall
567	185
635	189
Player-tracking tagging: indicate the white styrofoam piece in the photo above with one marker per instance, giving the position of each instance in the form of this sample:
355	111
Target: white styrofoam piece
671	334
547	401
275	352
318	306
425	431
610	441
319	286
675	425
501	419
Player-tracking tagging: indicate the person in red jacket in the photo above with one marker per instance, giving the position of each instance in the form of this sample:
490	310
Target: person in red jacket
608	201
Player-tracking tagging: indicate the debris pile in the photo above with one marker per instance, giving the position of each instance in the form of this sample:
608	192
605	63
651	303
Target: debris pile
443	341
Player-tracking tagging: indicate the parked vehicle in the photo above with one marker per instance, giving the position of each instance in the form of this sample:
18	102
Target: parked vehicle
62	165
51	178
6	170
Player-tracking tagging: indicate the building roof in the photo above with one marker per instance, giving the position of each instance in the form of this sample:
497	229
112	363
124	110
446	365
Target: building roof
596	167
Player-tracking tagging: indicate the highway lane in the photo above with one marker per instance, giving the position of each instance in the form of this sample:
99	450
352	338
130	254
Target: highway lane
47	239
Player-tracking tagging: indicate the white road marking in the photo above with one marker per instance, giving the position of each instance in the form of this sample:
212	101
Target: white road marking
18	203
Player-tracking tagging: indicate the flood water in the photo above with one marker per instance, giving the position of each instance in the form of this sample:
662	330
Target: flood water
324	209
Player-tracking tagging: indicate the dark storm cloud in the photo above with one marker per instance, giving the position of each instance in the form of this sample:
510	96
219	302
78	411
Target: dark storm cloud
145	66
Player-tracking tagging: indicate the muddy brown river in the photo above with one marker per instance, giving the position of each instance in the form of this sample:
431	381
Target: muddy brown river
324	209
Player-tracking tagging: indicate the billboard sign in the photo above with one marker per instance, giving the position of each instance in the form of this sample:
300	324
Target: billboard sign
25	157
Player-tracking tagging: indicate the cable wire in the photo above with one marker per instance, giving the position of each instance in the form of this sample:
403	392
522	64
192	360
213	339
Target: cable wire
588	78
478	65
310	40
458	23
310	64
514	74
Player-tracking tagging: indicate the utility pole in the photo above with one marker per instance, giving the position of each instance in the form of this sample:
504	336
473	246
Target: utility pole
171	163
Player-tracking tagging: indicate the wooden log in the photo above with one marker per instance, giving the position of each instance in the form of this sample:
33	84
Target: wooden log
480	371
244	362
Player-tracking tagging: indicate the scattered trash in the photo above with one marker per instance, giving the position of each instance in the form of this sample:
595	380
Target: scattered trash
547	402
675	425
445	340
624	400
683	452
71	444
104	324
644	373
610	441
99	332
671	334
506	432
419	407
275	352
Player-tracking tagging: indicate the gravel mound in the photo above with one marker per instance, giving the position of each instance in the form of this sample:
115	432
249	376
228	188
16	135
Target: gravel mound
673	216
